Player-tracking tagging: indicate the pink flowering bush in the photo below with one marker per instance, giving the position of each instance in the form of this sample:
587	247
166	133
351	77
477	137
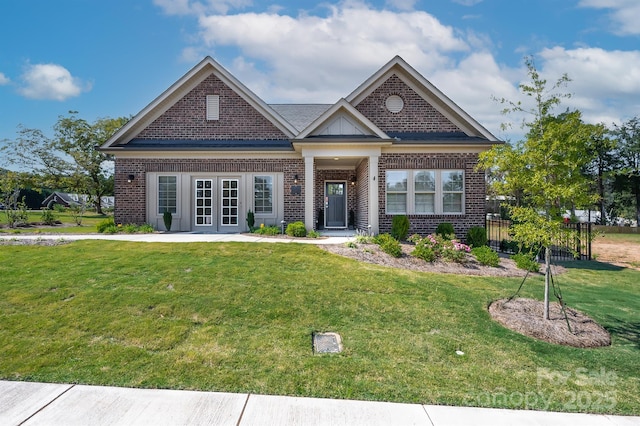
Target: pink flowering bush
431	248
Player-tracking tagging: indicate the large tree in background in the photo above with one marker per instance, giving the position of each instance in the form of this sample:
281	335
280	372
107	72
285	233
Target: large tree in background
545	169
602	150
71	159
627	174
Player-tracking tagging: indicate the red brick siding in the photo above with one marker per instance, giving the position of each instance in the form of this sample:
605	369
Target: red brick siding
186	119
130	199
416	116
362	195
474	187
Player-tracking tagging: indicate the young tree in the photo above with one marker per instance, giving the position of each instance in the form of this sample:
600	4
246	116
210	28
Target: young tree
544	168
627	176
71	159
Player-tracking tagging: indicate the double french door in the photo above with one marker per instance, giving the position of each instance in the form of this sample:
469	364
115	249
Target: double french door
216	204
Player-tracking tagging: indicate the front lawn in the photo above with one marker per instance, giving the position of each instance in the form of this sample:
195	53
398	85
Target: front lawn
238	317
67	223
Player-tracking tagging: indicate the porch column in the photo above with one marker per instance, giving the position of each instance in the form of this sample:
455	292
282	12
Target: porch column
373	194
309	180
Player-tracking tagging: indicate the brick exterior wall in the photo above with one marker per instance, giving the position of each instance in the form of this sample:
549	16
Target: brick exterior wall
130	199
474	187
186	119
362	195
416	116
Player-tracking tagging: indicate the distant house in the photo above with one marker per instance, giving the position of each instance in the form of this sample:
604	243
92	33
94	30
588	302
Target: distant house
66	199
208	150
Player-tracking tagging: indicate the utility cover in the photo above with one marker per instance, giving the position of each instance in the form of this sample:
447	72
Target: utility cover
327	343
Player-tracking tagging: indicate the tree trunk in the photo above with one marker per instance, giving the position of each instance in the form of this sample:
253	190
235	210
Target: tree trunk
547	279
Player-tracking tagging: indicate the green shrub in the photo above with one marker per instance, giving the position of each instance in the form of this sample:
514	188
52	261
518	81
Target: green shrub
351	244
129	228
313	234
446	231
400	227
110	229
486	256
477	236
363	238
167	218
146	228
296	229
526	261
107	223
48	218
424	251
389	245
251	220
267	230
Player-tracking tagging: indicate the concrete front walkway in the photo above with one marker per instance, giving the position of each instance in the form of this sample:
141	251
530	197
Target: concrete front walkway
180	237
24	403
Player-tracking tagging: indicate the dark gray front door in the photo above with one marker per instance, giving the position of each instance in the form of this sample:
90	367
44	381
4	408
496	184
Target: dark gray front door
335	205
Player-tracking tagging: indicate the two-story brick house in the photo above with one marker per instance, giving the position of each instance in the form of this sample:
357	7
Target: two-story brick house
209	150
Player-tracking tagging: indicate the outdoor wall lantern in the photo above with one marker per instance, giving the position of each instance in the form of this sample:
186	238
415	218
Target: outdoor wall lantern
295	179
353	180
130	178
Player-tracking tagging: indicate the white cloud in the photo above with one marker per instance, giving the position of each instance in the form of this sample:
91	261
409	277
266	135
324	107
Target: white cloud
4	79
624	14
323	57
334	51
605	84
50	81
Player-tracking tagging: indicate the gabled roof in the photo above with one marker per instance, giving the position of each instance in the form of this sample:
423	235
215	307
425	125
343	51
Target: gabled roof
343	109
300	115
424	88
181	87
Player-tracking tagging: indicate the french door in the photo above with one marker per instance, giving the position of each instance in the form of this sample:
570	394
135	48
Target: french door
216	204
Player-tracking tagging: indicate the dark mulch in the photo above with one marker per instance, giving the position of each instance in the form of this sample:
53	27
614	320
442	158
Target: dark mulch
525	316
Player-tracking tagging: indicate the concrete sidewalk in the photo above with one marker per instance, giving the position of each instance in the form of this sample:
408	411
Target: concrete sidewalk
25	403
179	237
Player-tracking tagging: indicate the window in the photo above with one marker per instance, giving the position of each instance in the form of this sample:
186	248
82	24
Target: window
397	192
425	192
452	191
263	193
167	194
424	183
213	107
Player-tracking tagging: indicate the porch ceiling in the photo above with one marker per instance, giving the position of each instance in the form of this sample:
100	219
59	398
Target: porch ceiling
338	163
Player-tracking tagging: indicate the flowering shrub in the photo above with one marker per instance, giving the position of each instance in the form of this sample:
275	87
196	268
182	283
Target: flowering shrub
431	247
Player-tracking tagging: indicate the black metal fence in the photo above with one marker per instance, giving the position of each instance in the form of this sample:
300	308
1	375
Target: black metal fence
574	245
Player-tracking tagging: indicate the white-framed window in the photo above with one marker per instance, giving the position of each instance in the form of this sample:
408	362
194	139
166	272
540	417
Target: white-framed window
167	194
397	191
424	185
263	195
425	192
213	107
452	191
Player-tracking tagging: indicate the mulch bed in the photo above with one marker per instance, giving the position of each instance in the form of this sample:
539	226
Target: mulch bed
525	316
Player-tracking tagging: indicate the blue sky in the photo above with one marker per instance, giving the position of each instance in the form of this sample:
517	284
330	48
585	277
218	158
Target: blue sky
111	58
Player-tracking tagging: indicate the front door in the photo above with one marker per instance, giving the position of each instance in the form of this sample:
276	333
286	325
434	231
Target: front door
335	205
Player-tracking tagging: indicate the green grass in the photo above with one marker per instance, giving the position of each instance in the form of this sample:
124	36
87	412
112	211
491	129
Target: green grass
68	226
620	238
238	317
